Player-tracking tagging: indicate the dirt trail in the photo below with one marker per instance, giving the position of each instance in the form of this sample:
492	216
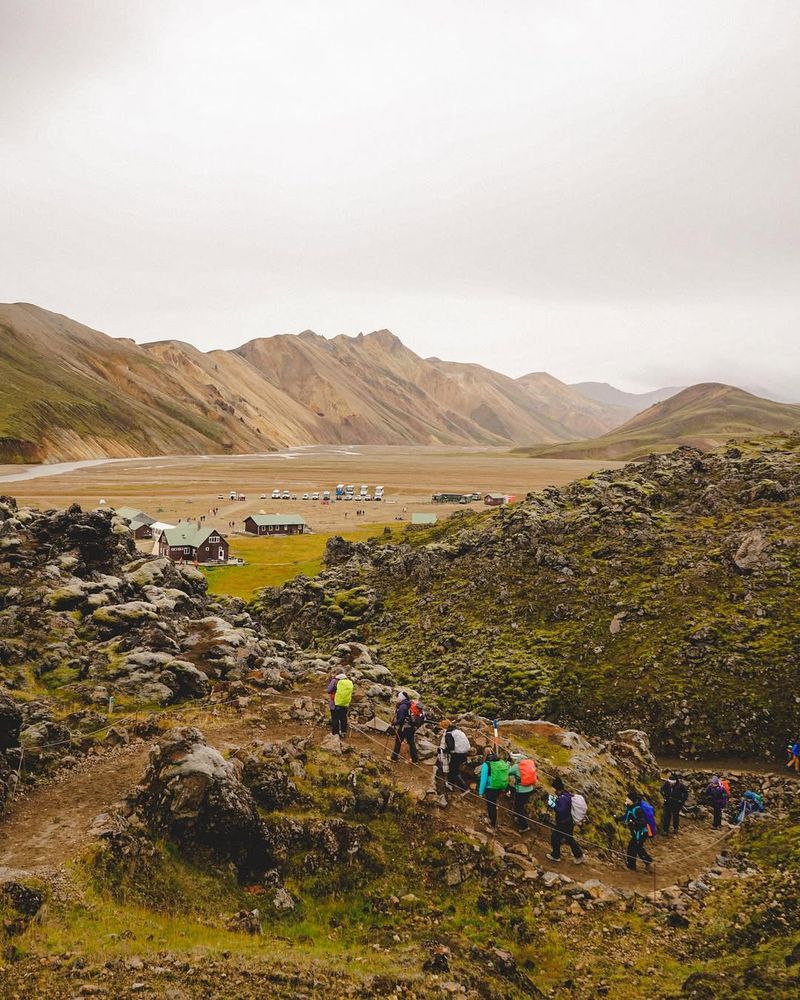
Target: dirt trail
49	825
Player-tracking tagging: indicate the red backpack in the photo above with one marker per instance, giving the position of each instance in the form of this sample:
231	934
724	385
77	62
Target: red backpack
417	714
527	772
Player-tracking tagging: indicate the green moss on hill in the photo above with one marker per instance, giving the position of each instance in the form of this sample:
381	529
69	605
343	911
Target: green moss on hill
632	598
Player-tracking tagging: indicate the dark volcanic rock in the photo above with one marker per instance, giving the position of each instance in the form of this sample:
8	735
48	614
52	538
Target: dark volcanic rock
193	796
10	722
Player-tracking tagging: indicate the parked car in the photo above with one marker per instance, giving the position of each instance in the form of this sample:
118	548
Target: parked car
285	495
263	496
294	496
315	496
367	497
276	494
348	496
306	496
220	496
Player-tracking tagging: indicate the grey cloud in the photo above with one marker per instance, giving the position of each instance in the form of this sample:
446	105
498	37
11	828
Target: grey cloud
602	190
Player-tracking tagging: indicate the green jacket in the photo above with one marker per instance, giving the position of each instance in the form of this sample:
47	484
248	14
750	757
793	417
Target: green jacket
513	772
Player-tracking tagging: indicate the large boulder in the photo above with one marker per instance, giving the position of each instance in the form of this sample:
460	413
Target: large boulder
119	617
193	796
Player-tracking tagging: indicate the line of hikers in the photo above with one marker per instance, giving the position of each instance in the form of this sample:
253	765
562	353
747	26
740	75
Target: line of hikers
515	775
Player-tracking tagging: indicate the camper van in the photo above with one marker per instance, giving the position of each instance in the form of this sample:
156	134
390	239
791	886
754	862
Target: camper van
379	493
339	491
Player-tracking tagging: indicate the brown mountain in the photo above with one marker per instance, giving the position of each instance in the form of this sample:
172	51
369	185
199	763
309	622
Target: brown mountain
71	392
703	416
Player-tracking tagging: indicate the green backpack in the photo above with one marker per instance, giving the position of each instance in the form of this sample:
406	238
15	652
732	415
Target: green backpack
498	774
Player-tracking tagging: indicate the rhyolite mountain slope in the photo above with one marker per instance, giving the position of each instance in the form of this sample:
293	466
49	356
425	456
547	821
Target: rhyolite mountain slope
662	595
702	416
70	392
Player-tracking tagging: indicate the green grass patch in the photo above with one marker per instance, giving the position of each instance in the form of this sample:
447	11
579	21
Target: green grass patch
269	562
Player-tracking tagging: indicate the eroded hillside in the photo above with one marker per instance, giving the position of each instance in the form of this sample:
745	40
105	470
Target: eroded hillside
662	595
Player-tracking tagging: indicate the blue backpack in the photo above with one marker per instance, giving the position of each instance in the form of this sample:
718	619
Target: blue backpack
650	816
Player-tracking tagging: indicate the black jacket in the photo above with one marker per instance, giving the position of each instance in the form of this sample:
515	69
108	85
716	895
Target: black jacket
674	793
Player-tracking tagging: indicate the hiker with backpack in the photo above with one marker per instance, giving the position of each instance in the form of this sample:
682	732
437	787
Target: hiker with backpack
751	803
408	717
493	782
340	694
675	795
636	821
794	755
565	819
523	775
454	748
719	792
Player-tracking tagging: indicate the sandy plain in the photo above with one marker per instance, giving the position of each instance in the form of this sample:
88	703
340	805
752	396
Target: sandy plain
185	487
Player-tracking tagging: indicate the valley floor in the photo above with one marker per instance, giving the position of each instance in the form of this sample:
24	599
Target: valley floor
185	487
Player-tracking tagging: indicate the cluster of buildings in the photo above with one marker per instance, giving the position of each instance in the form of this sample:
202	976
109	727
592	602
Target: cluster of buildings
193	541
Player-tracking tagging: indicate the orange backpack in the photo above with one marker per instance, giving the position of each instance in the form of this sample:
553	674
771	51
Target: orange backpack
527	772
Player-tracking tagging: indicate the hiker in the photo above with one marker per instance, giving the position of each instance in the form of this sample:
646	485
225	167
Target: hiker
492	784
454	747
718	792
675	795
751	802
564	829
794	755
523	774
340	694
635	819
404	727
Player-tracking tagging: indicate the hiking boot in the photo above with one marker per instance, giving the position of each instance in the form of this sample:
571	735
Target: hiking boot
648	866
552	857
578	861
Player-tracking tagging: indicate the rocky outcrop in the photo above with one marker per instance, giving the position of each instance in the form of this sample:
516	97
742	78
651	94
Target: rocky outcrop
622	600
193	796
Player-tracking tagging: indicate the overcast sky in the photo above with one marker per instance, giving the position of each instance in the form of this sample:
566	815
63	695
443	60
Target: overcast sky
605	190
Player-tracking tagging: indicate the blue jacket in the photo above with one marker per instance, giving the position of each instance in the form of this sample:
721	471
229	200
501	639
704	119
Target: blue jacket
401	713
635	820
563	807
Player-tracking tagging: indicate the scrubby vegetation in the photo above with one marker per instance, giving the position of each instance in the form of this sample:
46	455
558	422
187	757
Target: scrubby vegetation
661	595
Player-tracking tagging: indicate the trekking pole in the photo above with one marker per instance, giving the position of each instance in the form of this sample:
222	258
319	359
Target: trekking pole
496	736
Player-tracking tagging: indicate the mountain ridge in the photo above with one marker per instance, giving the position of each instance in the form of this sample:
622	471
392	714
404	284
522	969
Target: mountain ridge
79	393
701	416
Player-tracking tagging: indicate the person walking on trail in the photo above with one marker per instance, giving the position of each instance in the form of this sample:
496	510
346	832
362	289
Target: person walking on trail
794	755
340	694
751	803
454	746
493	783
523	775
564	828
719	794
675	795
636	821
404	728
